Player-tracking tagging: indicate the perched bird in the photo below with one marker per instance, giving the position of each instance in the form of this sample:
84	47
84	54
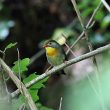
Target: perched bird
54	53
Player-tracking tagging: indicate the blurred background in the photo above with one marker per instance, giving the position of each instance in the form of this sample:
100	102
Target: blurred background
31	22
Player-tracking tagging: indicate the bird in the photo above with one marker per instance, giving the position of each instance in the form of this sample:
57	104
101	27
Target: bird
55	53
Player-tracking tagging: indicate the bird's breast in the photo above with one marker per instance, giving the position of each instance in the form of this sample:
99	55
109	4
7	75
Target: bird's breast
51	51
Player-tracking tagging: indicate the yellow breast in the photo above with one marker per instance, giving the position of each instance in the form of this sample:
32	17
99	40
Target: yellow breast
51	51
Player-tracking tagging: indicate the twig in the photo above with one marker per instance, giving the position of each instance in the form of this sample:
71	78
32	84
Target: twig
60	103
68	46
78	13
70	49
88	43
85	31
87	26
67	63
22	107
1	52
4	94
106	5
18	84
19	65
82	23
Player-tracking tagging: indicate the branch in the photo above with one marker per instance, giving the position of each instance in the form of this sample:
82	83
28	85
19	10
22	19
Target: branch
87	26
1	52
18	83
77	12
85	30
82	23
106	5
60	104
60	67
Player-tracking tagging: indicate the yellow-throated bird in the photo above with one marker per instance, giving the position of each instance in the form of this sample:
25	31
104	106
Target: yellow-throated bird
54	53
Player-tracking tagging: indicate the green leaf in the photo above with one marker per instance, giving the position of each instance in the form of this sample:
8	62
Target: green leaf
23	65
99	16
41	107
33	90
29	78
85	13
34	95
10	46
37	85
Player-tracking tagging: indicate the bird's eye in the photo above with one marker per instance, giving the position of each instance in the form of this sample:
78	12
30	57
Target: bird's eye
50	43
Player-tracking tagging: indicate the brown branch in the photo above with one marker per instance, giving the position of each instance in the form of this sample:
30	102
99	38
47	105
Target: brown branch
18	83
67	63
87	26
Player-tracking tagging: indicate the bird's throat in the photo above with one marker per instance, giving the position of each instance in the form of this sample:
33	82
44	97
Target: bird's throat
51	51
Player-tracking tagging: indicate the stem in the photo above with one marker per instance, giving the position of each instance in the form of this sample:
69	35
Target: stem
18	83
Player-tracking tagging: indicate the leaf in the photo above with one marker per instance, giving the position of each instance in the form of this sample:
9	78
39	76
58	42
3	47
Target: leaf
37	85
23	65
85	13
33	90
34	95
99	16
10	46
41	107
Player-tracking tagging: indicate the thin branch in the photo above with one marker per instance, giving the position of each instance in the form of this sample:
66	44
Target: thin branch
18	83
68	46
81	21
67	63
1	52
19	71
87	26
88	42
70	50
60	103
3	86
106	5
85	32
77	12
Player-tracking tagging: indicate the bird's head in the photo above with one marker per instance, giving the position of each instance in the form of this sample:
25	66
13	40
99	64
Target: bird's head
51	47
51	43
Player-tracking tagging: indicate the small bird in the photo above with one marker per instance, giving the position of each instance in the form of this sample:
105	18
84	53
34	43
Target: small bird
54	53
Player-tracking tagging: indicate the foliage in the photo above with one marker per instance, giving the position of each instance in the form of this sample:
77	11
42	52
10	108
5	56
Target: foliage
35	87
9	46
22	66
33	90
41	107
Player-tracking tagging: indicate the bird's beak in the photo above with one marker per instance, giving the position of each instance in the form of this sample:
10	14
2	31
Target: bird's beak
44	46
